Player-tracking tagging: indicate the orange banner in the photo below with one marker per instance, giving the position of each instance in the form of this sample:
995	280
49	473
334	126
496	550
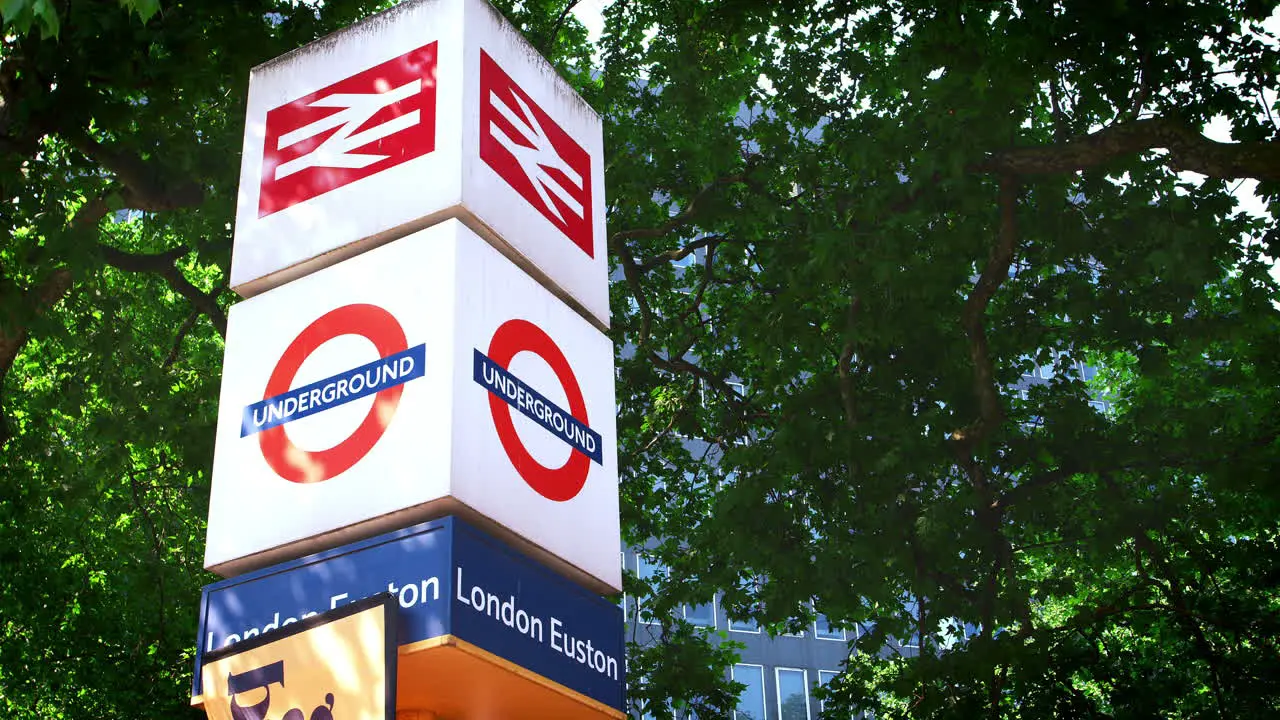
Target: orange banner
340	664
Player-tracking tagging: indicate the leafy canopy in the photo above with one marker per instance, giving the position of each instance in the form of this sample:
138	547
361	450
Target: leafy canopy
843	233
848	232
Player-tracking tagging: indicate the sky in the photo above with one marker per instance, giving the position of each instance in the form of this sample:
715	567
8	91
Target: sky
588	12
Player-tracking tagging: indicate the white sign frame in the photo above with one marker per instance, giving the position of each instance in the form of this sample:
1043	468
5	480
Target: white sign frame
439	450
452	180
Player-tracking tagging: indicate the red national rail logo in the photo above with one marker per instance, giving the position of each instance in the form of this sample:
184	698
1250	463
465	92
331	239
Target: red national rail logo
534	155
354	128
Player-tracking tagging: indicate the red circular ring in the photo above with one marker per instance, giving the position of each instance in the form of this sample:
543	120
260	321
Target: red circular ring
303	466
558	484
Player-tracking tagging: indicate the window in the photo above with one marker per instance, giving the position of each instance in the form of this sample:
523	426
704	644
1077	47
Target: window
647	570
1029	367
691	259
913	609
700	478
703	615
622	597
650	713
824	677
823	630
1098	406
751	700
793	694
1087	371
750	585
645	709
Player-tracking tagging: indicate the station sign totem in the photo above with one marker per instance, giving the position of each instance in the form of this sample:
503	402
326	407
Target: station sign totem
417	398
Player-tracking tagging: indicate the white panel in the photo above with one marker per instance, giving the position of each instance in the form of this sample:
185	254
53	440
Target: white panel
582	528
388	201
252	507
309	196
449	291
516	217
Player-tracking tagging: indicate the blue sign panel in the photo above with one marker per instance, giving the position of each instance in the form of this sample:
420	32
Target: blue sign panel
305	401
535	406
519	610
449	579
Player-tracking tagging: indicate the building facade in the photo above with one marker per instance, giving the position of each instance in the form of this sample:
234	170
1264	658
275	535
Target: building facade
780	672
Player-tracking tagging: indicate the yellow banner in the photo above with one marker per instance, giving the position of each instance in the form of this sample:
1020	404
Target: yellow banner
341	664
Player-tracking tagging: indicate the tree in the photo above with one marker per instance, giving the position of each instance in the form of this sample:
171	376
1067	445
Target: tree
120	128
873	220
843	232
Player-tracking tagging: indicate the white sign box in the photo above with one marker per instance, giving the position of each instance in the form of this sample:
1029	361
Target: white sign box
424	377
434	109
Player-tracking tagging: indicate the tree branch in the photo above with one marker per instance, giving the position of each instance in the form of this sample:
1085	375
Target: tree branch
156	549
559	23
844	365
165	265
175	348
1022	490
631	272
708	277
1189	150
678	220
684	366
146	186
13	330
679	253
990	411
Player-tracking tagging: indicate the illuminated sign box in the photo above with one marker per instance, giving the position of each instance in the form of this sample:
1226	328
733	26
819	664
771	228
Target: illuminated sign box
433	109
474	618
425	377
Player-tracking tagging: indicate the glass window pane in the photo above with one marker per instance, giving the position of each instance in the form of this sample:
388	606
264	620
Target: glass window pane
703	615
793	695
1087	371
1025	360
751	701
913	609
744	626
824	630
647	570
824	677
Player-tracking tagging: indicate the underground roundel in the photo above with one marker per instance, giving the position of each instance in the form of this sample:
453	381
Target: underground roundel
283	403
354	128
506	392
534	155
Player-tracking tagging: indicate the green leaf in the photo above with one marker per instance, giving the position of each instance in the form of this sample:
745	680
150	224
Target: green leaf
47	13
144	8
17	14
10	9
